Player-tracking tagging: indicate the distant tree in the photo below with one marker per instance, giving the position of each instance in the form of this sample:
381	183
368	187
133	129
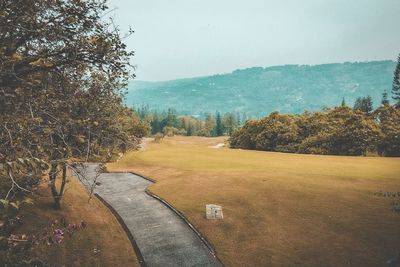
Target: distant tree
368	105
219	128
364	104
396	83
229	122
350	133
190	130
238	120
385	100
389	120
244	117
209	124
279	132
170	119
190	125
343	102
155	123
358	103
245	136
144	111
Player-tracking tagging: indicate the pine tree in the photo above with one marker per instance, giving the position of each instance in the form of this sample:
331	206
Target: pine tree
238	121
368	108
385	100
343	102
358	103
364	104
218	125
396	83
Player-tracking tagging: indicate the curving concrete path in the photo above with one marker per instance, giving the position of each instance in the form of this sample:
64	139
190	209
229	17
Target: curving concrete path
163	238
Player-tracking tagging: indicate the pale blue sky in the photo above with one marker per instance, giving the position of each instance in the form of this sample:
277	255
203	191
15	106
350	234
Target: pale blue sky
186	38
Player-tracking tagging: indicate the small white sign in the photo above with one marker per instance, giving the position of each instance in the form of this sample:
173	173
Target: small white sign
214	212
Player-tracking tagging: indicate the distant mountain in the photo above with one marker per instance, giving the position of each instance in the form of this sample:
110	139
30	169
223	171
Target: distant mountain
258	91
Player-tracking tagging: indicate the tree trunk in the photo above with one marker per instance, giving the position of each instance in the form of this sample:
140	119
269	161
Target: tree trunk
52	184
57	196
63	181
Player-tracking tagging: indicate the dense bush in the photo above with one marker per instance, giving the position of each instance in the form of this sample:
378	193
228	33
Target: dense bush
389	121
337	131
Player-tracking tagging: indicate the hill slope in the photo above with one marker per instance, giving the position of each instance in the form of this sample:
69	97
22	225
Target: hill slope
259	91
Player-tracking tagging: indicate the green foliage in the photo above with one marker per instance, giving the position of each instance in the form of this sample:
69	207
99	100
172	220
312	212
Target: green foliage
246	136
364	104
338	131
169	123
62	73
229	123
385	99
343	102
278	133
219	128
389	121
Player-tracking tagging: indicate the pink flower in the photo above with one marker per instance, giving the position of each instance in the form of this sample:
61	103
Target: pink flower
58	235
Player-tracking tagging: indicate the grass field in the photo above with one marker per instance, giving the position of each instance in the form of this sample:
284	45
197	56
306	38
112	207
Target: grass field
279	209
103	232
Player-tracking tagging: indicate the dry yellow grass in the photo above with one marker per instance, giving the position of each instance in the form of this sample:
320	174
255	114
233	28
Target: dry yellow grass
280	209
103	231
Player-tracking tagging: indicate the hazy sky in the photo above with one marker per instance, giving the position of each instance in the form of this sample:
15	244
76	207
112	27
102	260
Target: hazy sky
187	38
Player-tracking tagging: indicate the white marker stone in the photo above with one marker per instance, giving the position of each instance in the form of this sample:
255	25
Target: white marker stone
214	212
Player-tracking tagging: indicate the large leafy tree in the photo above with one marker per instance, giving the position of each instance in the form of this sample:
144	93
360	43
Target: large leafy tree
279	133
350	133
389	121
62	71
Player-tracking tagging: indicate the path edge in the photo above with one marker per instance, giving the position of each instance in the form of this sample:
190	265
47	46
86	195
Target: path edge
180	215
138	253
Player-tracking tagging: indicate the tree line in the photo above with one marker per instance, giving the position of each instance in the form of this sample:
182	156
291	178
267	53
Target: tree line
335	131
170	123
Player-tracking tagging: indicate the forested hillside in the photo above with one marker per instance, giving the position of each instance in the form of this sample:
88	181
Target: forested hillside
259	91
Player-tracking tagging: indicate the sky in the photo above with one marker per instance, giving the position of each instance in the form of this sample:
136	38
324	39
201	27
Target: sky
188	38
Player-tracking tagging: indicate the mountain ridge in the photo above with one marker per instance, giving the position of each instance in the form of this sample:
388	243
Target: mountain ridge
258	91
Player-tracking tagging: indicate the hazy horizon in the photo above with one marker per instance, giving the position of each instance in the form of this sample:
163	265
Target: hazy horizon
184	39
280	65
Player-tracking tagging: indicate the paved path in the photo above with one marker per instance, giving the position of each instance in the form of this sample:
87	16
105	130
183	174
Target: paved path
162	237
